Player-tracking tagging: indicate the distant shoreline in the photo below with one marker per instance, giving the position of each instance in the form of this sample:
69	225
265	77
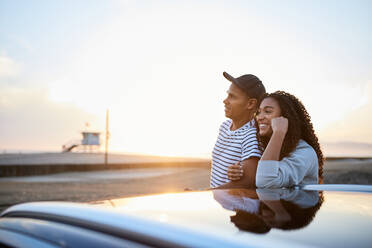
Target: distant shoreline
35	153
345	158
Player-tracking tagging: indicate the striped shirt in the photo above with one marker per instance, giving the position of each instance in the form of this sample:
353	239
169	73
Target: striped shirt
231	147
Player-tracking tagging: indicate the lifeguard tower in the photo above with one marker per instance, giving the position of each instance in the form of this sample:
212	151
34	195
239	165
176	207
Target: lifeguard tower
90	142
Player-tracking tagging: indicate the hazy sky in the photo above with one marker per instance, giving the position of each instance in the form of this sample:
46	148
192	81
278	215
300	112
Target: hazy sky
157	65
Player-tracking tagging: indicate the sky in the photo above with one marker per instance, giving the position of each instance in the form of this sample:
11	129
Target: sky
157	66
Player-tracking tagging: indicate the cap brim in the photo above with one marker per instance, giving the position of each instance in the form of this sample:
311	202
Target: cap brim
229	77
232	79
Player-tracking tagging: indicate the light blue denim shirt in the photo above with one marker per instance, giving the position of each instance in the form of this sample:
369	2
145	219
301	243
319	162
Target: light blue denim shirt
300	167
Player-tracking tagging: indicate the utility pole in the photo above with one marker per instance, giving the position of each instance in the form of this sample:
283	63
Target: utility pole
107	136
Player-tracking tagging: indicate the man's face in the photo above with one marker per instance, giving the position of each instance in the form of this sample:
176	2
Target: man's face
236	103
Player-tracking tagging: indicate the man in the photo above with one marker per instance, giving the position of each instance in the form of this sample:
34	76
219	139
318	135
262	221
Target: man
237	140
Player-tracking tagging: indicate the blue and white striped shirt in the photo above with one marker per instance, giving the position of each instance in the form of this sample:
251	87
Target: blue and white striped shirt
231	147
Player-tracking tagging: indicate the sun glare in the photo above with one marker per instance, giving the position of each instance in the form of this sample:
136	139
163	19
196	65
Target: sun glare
186	202
165	96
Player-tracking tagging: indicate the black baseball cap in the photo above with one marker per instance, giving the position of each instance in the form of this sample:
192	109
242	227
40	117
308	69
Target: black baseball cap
249	83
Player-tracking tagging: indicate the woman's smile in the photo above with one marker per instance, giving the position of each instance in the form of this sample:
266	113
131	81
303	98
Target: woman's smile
269	109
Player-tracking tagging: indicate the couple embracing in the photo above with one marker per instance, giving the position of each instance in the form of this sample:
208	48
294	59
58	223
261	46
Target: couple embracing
268	140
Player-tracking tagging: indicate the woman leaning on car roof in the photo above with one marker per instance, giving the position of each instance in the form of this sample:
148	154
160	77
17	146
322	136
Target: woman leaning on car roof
291	151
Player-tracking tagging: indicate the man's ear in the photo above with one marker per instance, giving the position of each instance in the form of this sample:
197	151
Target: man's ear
252	103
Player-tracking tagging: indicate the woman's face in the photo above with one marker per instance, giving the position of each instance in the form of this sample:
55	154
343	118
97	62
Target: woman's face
269	109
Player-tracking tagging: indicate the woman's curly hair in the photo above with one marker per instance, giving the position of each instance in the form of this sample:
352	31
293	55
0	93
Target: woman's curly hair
299	127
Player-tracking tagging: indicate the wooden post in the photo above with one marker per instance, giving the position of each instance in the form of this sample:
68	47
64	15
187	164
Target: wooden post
107	136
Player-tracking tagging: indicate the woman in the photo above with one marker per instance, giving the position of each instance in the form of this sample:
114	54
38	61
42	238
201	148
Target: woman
292	154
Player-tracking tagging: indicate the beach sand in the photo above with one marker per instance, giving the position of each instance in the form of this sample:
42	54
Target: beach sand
83	187
12	192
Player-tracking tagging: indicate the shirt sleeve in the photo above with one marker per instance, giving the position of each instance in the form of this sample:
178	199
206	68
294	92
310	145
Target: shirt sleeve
301	198
288	172
250	145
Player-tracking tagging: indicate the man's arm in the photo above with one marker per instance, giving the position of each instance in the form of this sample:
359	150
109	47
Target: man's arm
248	179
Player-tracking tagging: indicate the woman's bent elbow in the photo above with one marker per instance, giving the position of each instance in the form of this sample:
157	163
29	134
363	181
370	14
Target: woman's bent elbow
261	182
268	182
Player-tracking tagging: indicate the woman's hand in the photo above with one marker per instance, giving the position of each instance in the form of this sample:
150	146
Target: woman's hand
279	125
235	172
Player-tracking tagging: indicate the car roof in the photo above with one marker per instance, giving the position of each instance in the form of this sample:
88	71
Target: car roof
218	218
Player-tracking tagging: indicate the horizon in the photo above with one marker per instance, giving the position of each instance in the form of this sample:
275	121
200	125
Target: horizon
332	150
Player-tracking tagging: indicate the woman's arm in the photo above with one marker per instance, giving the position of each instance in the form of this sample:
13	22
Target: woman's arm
280	127
243	174
290	170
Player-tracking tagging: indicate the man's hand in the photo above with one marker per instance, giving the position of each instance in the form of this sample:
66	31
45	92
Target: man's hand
235	172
